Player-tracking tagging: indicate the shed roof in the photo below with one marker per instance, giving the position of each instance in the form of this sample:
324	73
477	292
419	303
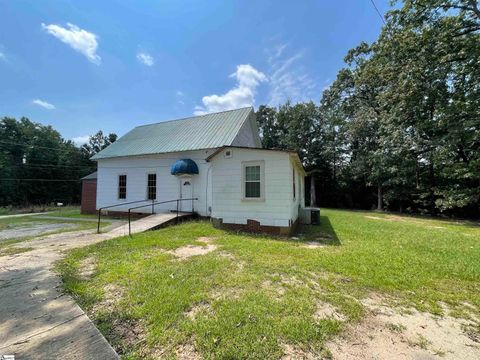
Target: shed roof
193	133
92	176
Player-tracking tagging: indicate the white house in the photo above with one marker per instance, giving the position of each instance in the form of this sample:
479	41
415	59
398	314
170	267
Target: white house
216	159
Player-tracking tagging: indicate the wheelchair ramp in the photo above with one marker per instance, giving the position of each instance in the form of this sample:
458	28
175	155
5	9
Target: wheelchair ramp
150	222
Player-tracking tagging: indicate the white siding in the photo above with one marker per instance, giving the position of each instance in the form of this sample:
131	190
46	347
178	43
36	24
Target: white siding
277	208
299	200
138	167
218	185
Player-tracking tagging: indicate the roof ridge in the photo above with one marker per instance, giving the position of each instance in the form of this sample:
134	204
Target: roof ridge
192	117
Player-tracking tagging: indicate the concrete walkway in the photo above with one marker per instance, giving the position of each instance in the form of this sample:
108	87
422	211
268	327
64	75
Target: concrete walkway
39	321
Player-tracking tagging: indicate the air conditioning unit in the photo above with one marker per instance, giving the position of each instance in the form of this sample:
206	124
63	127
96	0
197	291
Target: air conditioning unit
310	216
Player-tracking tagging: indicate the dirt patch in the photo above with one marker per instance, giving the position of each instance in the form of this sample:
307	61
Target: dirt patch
313	245
327	311
378	218
205	239
199	308
291	281
291	352
405	219
187	351
226	294
130	334
112	296
277	289
240	264
185	252
87	268
387	333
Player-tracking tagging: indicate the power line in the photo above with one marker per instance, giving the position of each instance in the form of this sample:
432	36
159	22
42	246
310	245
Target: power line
33	145
378	12
54	180
52	166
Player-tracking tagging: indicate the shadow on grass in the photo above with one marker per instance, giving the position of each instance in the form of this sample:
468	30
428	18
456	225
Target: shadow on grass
324	233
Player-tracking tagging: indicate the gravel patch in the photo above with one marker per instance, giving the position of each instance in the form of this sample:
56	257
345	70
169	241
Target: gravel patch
33	229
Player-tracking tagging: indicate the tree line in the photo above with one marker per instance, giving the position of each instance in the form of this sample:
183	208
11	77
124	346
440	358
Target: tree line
399	128
39	167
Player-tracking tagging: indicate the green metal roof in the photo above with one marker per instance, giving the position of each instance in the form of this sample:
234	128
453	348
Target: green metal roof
194	133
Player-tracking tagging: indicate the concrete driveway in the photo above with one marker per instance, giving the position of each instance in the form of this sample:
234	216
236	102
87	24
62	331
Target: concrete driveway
38	321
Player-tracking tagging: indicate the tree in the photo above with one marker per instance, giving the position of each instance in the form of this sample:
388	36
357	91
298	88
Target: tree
401	118
98	142
38	165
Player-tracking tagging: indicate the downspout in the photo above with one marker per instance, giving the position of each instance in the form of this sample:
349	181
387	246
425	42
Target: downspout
206	192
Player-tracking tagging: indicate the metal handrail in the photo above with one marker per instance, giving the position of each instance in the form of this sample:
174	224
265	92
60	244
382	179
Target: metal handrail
153	209
119	204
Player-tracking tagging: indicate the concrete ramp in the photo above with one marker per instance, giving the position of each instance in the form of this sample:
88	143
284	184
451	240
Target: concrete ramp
147	223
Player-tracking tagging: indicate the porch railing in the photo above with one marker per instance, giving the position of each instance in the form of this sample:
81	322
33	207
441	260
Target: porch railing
153	209
119	204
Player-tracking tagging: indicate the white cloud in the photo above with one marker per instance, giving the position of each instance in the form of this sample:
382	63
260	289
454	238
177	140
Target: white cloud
242	95
145	58
3	57
180	95
79	39
288	79
80	140
44	104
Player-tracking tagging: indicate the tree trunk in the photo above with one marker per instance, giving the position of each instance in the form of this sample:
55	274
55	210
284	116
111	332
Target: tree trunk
401	206
431	173
313	197
380	197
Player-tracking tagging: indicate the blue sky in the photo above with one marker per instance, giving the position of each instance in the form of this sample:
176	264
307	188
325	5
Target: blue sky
82	66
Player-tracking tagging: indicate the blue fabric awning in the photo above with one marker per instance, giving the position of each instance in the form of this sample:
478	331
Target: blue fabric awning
184	166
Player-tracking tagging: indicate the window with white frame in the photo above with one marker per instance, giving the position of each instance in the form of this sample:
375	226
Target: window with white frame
152	186
253	180
122	186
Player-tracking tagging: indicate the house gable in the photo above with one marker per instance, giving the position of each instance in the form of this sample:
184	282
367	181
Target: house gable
248	136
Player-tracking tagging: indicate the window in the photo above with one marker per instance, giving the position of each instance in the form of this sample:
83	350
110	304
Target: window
253	182
122	186
294	191
152	186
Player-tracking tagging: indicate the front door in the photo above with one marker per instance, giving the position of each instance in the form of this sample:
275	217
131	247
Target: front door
186	192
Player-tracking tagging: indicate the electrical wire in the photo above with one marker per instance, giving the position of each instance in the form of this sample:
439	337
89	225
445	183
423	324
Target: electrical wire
31	145
54	180
378	12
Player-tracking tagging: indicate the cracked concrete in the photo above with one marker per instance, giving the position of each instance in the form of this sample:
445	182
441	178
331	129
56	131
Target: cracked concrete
37	320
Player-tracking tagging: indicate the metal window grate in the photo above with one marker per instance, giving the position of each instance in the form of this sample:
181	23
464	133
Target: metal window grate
122	186
152	186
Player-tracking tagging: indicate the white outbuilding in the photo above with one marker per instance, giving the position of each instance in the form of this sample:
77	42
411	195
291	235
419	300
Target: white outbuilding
214	163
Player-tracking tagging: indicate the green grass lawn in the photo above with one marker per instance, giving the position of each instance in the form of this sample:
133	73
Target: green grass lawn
32	221
254	295
71	212
33	209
